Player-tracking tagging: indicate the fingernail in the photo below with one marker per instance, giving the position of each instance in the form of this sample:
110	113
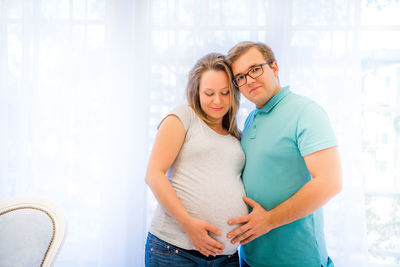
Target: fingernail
229	222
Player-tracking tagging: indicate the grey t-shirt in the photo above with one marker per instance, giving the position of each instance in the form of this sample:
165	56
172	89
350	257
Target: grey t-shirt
206	176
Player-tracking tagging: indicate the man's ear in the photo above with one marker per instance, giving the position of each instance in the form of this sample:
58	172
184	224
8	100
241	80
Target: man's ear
275	68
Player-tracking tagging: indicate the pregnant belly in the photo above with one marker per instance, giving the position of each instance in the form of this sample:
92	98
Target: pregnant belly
217	209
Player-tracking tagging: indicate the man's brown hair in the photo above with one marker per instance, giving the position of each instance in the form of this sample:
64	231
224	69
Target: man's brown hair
242	47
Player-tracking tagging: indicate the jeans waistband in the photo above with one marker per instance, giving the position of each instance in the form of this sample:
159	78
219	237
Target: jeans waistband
193	252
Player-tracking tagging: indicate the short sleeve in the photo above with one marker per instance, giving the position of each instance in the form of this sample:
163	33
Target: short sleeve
184	113
314	131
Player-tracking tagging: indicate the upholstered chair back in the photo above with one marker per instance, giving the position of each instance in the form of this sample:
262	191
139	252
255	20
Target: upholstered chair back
31	232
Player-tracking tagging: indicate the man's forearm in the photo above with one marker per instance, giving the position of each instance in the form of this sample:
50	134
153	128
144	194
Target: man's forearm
307	200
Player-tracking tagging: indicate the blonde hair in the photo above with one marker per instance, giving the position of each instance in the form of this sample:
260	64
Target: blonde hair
216	62
242	47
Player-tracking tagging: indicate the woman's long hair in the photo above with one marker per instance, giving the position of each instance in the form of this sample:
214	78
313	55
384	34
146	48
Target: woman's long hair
216	62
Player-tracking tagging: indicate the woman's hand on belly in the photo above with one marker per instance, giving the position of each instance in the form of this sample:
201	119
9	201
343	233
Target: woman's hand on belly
197	231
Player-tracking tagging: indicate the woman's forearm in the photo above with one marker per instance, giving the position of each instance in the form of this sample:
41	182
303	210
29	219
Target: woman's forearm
167	197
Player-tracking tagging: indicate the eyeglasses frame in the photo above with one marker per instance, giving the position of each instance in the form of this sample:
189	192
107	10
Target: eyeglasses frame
248	73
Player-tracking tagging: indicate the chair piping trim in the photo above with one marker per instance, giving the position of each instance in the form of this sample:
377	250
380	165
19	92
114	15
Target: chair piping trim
52	221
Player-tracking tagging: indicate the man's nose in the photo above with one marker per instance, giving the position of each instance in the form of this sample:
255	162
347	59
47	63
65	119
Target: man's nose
250	79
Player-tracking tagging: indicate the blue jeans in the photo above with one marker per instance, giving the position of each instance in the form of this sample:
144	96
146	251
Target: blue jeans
244	264
162	254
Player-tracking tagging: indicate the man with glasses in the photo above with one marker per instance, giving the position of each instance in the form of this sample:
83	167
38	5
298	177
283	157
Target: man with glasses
292	167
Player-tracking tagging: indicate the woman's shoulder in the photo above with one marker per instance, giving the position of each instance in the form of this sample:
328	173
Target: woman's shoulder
182	109
185	113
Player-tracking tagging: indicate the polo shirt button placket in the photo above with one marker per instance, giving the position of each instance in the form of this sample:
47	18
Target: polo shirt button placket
253	134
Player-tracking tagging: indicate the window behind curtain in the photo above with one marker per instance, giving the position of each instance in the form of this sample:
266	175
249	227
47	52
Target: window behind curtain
380	40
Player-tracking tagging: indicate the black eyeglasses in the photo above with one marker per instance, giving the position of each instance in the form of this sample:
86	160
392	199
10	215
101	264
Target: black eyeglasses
254	72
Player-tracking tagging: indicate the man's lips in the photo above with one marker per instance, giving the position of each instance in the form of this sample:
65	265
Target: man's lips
253	89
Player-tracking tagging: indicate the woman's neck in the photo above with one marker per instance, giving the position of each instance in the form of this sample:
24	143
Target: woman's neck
217	127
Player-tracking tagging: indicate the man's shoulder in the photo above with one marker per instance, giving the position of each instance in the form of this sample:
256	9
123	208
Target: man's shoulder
248	120
299	99
300	103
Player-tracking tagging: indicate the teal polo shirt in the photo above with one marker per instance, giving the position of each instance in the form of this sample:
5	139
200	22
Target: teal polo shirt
275	139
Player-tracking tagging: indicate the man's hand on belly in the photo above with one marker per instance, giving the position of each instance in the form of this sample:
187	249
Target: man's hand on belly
255	224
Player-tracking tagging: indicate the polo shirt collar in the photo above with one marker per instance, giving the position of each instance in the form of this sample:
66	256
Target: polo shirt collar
275	100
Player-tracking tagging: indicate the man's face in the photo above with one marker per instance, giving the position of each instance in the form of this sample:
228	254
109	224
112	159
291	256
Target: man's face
261	89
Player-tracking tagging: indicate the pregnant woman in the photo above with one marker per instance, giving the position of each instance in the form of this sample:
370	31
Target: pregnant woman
198	144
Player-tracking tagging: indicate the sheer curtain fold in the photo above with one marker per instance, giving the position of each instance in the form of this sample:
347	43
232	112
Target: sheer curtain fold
73	122
3	102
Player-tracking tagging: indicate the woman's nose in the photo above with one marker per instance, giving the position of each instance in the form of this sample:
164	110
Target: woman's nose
217	98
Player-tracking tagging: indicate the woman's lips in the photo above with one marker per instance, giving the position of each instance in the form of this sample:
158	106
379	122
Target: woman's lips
217	109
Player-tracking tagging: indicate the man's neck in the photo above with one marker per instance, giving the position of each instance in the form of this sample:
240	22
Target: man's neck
275	92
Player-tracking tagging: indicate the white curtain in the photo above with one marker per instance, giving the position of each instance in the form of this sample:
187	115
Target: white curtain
83	84
73	121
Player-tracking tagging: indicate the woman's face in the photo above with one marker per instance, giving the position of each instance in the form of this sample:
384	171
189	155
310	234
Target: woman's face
214	94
